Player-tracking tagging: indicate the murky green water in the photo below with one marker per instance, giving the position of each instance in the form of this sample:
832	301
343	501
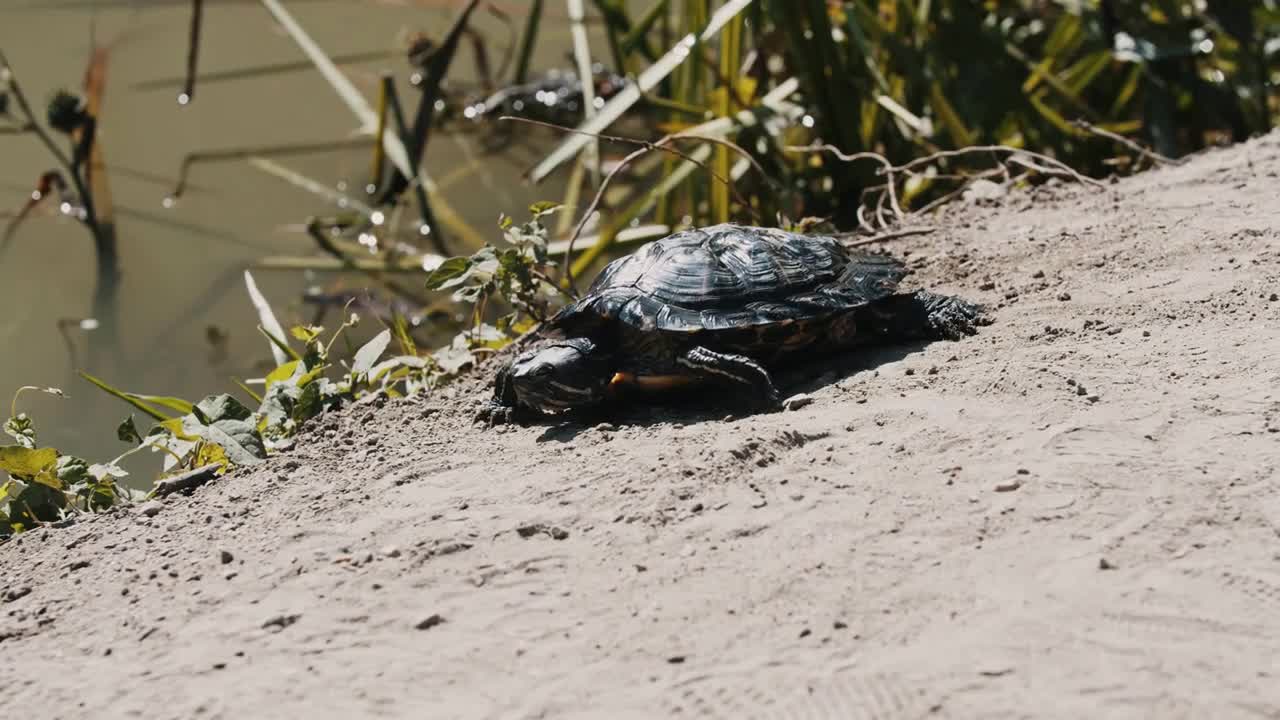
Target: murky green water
182	266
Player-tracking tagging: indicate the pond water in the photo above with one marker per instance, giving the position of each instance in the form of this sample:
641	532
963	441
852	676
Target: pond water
182	266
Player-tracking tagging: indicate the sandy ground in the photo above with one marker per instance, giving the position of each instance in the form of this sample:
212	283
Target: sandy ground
1073	514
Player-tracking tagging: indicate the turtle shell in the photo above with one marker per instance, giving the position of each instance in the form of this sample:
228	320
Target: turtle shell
732	276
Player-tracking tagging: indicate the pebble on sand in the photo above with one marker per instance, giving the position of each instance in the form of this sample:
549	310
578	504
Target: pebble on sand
431	621
795	402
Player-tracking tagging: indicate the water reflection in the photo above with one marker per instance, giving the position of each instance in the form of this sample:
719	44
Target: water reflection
165	310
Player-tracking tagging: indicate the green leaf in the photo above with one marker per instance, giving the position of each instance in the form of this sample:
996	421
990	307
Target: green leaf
12	488
248	390
238	438
141	401
280	344
400	326
449	273
26	462
311	376
221	407
309	404
283	373
107	472
544	207
276	408
128	432
515	263
37	503
369	353
468	294
72	471
454	356
20	428
306	333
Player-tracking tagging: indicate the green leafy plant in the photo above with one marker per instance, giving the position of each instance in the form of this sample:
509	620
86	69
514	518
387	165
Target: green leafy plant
519	275
44	486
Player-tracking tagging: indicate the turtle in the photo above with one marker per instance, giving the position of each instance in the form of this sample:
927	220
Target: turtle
724	305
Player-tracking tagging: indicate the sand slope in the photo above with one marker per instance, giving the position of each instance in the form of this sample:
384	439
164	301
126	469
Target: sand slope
1074	514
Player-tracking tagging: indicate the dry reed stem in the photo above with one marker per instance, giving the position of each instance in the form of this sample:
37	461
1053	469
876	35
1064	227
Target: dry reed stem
645	147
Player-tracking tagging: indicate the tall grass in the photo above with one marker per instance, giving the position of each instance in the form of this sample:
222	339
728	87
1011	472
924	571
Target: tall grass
908	78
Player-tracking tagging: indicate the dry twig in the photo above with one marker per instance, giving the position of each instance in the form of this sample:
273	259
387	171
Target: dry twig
888	191
1134	146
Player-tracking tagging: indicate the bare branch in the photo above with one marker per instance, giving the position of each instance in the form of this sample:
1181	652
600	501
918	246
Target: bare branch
1134	146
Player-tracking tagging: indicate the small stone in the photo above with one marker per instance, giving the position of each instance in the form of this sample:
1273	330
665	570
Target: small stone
1094	398
909	371
676	659
1037	274
933	370
390	551
225	557
151	509
806	633
1146	333
795	402
431	621
1064	297
280	622
840	625
1273	297
1080	390
1023	471
1105	564
1008	485
987	285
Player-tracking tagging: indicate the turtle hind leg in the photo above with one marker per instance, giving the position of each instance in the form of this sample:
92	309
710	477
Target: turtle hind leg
733	371
922	315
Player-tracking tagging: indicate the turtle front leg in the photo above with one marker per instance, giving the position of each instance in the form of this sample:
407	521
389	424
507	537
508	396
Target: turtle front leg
734	371
503	408
923	315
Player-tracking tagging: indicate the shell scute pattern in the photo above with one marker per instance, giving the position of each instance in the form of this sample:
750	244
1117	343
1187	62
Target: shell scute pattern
714	267
727	277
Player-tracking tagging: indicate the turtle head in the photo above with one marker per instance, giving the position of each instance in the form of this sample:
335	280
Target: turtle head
569	374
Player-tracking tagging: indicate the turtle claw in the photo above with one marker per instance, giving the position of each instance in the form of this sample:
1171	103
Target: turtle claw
495	414
952	318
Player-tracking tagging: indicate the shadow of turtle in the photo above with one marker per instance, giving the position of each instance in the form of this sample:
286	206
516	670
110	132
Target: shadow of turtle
699	404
